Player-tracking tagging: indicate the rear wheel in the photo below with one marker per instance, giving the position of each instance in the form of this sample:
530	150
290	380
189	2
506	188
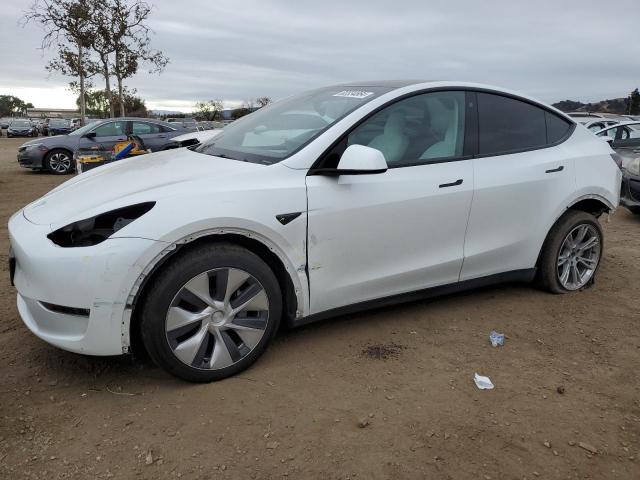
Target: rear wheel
211	313
59	162
571	254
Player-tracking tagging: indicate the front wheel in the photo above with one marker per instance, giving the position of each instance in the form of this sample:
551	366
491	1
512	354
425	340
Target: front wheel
211	313
571	254
59	162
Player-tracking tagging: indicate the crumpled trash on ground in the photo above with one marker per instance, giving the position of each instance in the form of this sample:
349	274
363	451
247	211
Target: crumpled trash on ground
496	339
483	383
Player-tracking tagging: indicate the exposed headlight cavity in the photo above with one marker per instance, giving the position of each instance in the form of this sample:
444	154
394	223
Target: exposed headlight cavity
95	230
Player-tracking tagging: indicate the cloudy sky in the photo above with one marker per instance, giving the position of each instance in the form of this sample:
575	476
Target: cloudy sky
235	50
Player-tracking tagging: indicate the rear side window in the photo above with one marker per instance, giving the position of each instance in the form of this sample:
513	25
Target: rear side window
144	128
509	125
557	127
110	129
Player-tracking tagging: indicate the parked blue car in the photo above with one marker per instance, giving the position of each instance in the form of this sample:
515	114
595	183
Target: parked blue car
58	126
21	128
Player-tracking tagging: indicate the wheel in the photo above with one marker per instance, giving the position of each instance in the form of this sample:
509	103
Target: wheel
58	162
211	313
571	253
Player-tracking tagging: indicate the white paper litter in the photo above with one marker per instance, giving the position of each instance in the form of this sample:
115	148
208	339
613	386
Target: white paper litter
483	383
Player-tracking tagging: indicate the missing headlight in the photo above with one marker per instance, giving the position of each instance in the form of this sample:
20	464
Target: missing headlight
92	231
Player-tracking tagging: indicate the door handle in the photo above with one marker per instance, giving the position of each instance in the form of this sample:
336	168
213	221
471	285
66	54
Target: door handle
452	184
554	170
162	136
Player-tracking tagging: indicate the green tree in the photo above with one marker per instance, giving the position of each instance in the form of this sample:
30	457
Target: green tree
10	105
97	102
209	110
633	103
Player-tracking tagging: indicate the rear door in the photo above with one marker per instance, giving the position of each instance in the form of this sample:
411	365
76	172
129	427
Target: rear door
522	176
152	134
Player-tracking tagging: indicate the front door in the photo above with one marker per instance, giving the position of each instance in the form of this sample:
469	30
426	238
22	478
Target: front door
374	236
107	135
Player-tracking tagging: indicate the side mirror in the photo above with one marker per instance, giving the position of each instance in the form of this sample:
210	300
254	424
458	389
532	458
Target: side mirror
357	160
90	135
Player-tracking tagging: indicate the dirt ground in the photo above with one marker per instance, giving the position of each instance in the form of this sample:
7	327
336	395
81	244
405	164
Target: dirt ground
383	394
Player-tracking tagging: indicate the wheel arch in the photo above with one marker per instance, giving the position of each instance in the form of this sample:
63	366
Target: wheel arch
596	205
293	296
593	204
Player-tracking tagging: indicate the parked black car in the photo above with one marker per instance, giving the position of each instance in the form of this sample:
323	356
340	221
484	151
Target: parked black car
21	128
55	154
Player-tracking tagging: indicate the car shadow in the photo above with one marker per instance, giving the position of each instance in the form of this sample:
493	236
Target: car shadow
138	369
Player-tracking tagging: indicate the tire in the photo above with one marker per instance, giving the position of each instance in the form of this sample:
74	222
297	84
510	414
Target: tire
586	260
201	341
59	162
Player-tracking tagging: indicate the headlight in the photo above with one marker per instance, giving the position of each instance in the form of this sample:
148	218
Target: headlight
633	167
33	145
95	230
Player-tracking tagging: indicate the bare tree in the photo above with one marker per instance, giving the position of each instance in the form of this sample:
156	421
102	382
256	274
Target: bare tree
263	101
125	43
103	46
67	28
209	110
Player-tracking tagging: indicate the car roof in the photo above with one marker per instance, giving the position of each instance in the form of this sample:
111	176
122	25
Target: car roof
384	83
137	119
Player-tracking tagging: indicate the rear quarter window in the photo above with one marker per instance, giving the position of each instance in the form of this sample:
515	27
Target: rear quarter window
509	125
557	127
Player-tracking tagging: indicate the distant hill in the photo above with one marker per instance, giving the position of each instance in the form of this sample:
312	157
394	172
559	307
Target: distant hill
615	105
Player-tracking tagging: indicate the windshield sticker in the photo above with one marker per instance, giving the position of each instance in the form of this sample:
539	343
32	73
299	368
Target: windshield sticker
353	94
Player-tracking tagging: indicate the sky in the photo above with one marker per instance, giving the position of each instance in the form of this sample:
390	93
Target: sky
237	50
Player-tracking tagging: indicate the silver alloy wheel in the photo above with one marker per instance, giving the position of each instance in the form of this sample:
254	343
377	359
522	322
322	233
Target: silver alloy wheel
60	162
578	257
217	318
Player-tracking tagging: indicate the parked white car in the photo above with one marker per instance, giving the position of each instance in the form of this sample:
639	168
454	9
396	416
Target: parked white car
199	136
621	131
597	125
374	194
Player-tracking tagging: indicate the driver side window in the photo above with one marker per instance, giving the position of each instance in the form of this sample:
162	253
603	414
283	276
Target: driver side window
418	130
110	129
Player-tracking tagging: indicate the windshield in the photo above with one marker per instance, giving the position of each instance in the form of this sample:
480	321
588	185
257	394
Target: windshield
20	123
58	123
81	131
277	131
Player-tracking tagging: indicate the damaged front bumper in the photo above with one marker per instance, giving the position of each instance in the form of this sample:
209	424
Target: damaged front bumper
75	298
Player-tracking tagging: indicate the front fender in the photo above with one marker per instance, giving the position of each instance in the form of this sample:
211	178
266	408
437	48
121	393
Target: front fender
292	256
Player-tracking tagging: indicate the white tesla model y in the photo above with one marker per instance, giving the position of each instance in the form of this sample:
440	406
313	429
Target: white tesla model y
333	200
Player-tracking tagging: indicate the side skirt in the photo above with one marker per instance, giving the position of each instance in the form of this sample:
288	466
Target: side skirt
525	275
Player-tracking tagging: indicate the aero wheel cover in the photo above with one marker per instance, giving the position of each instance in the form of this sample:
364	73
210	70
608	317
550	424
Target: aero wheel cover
60	162
217	318
578	257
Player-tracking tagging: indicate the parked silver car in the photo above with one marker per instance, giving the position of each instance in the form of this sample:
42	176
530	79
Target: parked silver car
55	154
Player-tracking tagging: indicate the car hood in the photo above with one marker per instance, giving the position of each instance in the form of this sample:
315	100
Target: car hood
55	140
133	180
